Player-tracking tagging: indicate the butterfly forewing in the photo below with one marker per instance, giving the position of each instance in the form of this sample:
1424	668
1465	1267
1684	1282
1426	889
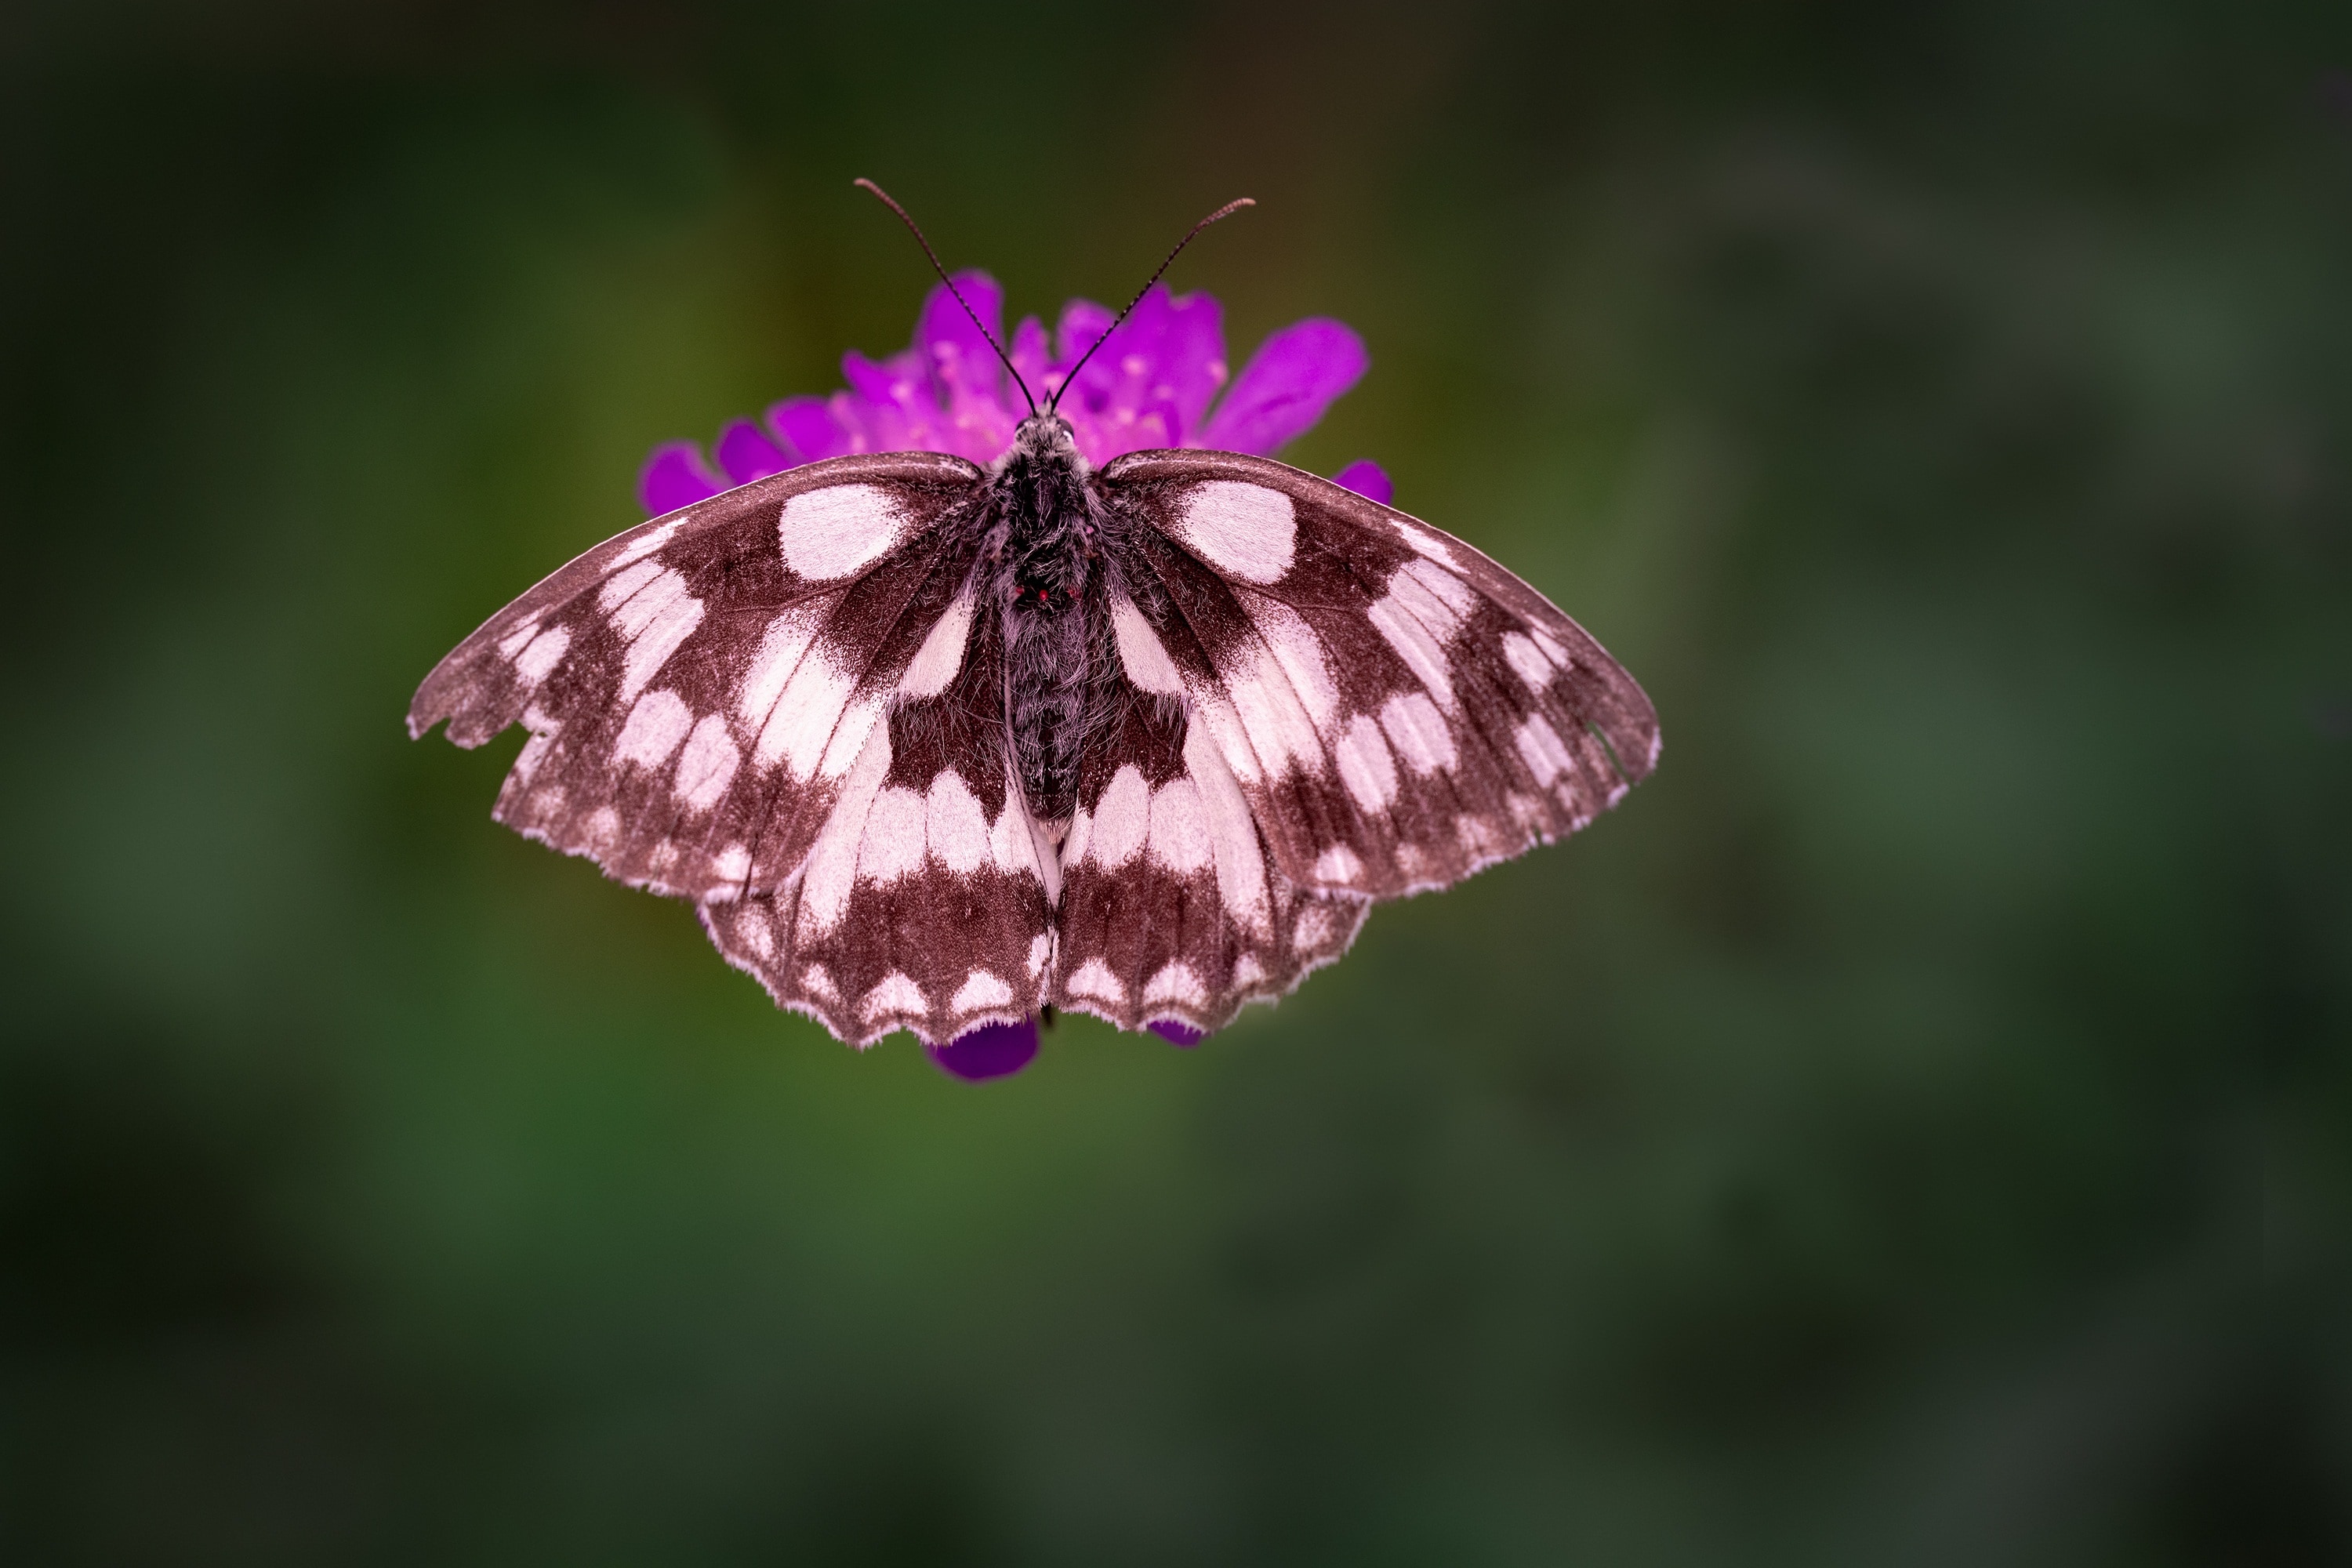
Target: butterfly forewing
693	688
1398	710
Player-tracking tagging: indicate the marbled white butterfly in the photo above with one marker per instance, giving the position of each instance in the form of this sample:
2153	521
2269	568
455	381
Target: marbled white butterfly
932	746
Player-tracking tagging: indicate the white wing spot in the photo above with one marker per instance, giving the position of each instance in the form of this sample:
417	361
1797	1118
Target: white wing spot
514	641
1010	845
1365	765
1177	982
657	621
536	662
1122	818
782	648
1541	748
954	826
604	826
654	728
893	844
848	742
981	989
732	864
818	984
1140	651
708	765
1247	970
1300	653
644	545
897	996
534	751
752	929
1278	727
1476	835
633	614
1214	715
1534	671
1424	540
1233	832
1179	832
832	860
835	531
942	655
1077	837
1419	651
621	586
1338	864
805	716
1041	948
1243	530
1095	979
1438	599
1419	732
1313	928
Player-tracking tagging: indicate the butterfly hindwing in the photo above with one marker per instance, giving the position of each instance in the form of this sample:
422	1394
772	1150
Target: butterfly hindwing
1398	710
923	903
1170	908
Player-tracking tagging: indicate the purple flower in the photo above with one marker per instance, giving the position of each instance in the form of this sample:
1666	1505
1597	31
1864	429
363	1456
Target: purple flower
992	1050
1155	383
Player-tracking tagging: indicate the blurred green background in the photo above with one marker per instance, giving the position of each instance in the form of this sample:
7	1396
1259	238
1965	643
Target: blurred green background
1909	1130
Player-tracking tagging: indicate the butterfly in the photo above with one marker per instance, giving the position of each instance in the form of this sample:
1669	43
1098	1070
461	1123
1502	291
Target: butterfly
930	745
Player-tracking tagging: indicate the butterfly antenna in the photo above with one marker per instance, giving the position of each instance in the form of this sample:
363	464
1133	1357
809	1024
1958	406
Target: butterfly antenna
959	300
1053	402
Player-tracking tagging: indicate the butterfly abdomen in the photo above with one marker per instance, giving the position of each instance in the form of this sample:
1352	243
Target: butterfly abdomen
1046	585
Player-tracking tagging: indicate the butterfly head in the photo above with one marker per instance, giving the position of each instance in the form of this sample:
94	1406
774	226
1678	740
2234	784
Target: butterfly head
1047	437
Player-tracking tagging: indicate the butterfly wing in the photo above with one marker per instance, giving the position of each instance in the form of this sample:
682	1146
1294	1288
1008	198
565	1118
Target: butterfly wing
1397	709
1170	906
712	698
925	901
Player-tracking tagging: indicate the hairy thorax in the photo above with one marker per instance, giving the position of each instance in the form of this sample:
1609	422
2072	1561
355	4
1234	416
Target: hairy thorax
1047	581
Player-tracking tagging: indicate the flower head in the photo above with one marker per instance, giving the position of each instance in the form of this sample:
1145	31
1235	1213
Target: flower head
1154	383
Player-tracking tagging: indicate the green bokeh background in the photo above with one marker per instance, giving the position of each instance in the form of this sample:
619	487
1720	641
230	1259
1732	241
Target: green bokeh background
1909	1130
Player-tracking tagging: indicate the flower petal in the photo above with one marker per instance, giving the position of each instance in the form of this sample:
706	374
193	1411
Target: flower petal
1032	356
1294	376
674	476
1150	380
992	1050
1185	341
954	351
1176	1034
1368	479
888	406
806	429
748	455
1082	323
